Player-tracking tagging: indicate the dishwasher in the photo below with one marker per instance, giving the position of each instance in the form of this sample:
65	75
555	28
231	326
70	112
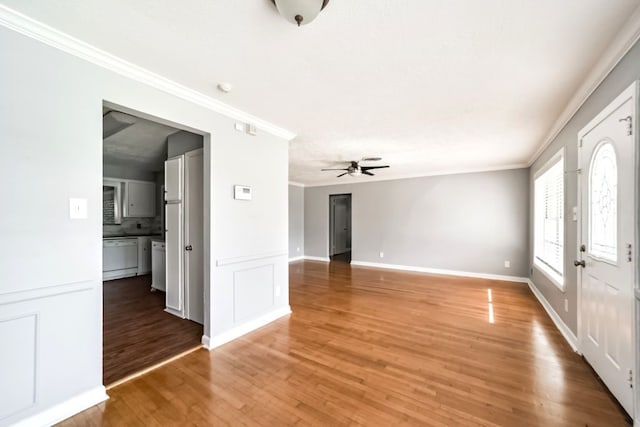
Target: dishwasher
119	258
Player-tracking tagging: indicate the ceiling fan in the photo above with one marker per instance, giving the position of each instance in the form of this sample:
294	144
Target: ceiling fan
354	168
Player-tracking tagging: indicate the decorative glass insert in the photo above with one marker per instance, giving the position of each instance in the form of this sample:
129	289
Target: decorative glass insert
603	203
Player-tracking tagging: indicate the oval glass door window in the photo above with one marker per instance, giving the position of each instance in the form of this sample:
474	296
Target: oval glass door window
603	203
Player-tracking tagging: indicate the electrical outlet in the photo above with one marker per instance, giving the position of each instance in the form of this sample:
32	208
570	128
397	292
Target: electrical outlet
566	305
381	254
507	264
277	291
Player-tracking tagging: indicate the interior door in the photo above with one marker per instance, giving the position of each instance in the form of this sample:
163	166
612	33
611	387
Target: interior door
194	236
606	239
341	223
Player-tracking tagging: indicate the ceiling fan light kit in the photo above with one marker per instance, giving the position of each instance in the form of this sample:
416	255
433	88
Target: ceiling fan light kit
300	12
354	168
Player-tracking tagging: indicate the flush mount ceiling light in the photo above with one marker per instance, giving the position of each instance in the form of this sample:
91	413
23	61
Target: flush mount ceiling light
300	12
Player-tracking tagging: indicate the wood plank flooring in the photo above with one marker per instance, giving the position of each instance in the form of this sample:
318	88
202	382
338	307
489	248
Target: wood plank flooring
138	333
377	347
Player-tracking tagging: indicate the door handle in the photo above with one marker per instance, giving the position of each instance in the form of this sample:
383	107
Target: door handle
189	248
580	263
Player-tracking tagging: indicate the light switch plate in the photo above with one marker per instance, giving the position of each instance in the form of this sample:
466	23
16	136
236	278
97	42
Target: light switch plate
242	192
239	126
77	208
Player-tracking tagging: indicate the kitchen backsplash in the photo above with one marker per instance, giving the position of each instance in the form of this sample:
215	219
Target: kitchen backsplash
130	226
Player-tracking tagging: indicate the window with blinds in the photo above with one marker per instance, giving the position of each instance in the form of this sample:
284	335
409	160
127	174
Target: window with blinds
549	220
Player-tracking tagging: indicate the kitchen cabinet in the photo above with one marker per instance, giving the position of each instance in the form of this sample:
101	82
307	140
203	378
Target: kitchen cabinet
144	255
158	272
139	199
173	179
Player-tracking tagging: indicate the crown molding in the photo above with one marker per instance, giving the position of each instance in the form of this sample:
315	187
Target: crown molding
628	35
363	180
36	30
296	184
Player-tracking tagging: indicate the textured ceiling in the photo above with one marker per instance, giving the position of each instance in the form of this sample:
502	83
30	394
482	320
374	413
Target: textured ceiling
141	146
432	86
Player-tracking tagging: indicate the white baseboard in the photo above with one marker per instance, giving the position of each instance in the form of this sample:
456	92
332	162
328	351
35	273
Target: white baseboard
212	342
297	258
562	327
441	271
66	409
206	341
316	258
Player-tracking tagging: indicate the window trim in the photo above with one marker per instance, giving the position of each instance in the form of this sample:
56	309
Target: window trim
555	278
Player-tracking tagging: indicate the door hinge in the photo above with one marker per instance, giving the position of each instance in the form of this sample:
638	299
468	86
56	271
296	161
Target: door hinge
630	378
629	258
629	121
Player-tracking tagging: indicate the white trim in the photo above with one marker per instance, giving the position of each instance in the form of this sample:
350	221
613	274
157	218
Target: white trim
36	30
441	271
220	262
206	341
317	258
296	184
296	258
628	35
627	94
212	342
377	178
568	335
66	409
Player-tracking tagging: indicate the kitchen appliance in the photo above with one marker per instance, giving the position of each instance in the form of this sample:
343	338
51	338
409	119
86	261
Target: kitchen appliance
119	258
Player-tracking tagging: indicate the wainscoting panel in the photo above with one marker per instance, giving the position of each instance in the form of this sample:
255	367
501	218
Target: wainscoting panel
18	368
253	291
245	291
50	352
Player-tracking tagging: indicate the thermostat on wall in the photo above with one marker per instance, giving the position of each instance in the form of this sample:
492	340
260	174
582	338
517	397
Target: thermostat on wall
242	192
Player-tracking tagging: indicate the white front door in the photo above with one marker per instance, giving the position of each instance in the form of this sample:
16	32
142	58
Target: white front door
606	239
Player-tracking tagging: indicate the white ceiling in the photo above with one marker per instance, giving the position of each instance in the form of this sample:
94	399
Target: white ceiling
432	86
141	146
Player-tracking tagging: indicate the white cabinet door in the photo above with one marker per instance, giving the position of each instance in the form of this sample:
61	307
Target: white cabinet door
158	266
174	246
173	179
140	199
144	255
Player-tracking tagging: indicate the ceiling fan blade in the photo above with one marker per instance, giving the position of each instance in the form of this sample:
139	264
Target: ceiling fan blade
342	169
366	168
367	173
342	174
370	159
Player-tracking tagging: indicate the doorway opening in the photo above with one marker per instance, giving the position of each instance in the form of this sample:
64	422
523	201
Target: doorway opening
340	227
153	241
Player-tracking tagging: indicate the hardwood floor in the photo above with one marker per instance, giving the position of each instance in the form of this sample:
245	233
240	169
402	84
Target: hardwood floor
343	257
137	331
377	347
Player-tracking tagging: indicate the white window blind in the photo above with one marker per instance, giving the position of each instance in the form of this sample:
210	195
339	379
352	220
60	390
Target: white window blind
549	221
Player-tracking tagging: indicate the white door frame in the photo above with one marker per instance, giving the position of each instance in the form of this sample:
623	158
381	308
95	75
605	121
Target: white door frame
632	92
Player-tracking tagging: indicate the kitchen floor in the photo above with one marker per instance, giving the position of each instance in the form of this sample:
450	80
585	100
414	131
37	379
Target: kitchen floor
138	333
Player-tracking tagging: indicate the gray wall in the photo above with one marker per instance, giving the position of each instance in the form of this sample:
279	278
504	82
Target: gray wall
620	78
51	286
181	142
466	222
126	172
296	221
